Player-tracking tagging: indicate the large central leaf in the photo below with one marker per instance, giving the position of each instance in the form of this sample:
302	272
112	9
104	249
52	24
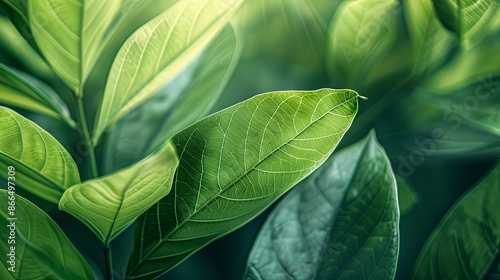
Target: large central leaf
69	33
159	50
233	165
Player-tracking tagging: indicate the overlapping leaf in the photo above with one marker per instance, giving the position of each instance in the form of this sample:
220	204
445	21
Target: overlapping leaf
296	26
477	103
466	244
68	34
430	41
360	35
21	90
110	204
234	164
184	100
42	250
157	51
470	20
43	166
339	223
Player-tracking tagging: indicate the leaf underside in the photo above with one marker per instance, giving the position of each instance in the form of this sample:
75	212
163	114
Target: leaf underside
339	223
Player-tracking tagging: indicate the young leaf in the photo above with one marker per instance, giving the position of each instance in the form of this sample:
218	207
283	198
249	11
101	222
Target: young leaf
110	204
157	51
429	40
68	34
361	34
21	90
42	165
466	244
339	223
186	98
235	163
470	20
42	251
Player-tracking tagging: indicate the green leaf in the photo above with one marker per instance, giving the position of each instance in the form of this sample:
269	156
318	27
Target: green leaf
16	51
17	12
466	244
235	163
429	40
296	26
42	251
184	100
110	204
477	103
339	223
68	34
470	20
361	34
43	166
158	51
21	90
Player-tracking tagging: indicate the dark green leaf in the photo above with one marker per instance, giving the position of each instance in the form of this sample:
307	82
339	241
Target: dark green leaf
235	163
42	251
42	164
342	222
466	244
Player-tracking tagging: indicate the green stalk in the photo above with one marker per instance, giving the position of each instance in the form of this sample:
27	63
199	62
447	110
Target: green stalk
84	130
109	261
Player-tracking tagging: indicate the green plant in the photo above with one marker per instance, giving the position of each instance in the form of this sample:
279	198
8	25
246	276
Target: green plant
132	137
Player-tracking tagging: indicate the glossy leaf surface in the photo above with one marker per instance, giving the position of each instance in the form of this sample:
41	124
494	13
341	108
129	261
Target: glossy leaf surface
235	163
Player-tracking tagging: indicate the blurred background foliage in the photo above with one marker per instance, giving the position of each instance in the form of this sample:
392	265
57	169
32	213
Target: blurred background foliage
433	88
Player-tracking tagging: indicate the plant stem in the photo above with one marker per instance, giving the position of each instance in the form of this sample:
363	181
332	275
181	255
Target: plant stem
84	130
108	255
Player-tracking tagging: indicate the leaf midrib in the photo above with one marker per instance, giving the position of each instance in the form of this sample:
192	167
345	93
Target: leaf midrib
187	219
